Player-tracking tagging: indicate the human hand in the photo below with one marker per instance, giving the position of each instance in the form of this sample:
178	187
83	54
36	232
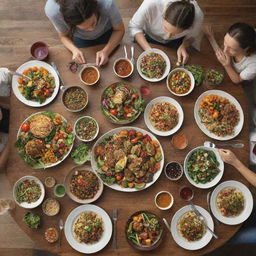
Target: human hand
228	156
78	56
101	58
223	58
182	55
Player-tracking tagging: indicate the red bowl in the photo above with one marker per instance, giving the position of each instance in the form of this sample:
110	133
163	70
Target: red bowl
39	50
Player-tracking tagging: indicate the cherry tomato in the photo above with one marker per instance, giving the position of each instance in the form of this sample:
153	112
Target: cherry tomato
113	112
35	69
47	93
127	110
20	80
135	96
25	127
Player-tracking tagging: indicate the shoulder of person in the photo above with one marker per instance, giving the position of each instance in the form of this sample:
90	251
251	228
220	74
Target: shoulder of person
105	4
52	9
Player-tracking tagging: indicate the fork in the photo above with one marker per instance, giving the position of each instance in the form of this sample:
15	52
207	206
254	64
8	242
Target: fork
209	207
125	52
61	226
114	217
58	73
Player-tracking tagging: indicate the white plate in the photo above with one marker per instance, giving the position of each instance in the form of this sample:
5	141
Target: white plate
25	204
192	79
167	69
58	162
113	131
216	179
237	128
82	247
181	241
163	99
248	203
31	64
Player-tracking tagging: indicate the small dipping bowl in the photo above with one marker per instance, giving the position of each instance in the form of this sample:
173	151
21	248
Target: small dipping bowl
164	200
51	207
186	193
71	92
59	190
123	67
39	50
89	75
179	141
173	171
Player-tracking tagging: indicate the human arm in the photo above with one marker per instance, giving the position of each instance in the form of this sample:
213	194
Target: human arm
230	158
114	41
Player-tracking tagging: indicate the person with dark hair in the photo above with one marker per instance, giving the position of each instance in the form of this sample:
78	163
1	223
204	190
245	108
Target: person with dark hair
239	54
173	23
84	23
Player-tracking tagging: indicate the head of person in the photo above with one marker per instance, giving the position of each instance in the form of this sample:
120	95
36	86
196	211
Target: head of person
178	17
83	14
240	40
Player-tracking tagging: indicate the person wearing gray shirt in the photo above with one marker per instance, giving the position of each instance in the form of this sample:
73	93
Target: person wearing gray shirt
83	23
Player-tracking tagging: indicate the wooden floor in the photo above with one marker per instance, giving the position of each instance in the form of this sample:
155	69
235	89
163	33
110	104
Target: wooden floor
24	22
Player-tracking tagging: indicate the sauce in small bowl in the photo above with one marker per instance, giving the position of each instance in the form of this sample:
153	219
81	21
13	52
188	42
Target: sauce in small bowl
179	141
123	67
186	193
164	200
59	190
89	75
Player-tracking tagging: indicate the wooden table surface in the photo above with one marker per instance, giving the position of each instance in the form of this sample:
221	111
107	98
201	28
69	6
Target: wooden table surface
127	203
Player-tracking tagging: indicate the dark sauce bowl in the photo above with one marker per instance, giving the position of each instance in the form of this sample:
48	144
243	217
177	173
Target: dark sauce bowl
173	171
39	50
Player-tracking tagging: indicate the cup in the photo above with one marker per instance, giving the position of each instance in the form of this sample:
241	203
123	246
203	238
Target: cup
39	50
59	190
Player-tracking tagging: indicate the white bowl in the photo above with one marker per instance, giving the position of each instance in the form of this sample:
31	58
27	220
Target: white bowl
169	206
216	179
127	61
25	204
97	131
82	70
148	110
191	79
166	58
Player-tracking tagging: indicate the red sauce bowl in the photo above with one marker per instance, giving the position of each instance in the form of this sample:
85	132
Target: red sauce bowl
39	50
123	67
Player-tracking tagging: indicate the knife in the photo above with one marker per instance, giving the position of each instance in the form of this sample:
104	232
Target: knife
201	217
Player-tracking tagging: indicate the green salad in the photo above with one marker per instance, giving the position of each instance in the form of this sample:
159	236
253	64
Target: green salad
28	191
202	166
214	77
197	72
81	154
32	220
121	103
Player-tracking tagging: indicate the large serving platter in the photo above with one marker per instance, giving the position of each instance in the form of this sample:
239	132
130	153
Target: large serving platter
167	69
228	96
148	110
31	64
216	179
82	247
114	131
181	241
247	208
67	153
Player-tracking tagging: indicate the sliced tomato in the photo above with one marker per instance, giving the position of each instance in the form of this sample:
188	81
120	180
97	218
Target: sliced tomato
113	112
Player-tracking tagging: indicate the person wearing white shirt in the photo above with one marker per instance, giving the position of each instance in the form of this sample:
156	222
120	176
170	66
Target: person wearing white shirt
239	54
168	22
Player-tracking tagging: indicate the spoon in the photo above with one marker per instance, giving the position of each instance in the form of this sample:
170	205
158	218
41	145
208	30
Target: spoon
61	226
132	51
125	52
167	224
233	144
208	197
58	73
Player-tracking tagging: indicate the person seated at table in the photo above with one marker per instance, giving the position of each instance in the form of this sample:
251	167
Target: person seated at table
84	23
170	23
247	234
5	90
239	54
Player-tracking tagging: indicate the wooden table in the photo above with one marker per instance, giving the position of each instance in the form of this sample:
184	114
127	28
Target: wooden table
127	203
